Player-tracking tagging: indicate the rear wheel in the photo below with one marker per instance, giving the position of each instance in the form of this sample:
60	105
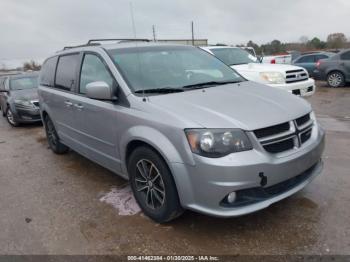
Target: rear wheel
11	118
153	185
335	79
52	137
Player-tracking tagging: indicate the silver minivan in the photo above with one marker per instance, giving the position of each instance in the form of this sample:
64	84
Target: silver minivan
186	130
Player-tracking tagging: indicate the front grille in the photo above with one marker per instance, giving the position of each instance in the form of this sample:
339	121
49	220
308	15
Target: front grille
302	120
280	146
255	195
293	76
272	130
286	136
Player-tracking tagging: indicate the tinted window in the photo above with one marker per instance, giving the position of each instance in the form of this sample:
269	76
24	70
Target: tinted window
345	56
93	70
234	56
47	74
22	83
306	59
66	71
318	57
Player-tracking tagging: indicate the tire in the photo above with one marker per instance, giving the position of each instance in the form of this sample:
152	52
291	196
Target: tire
10	117
149	177
52	137
335	79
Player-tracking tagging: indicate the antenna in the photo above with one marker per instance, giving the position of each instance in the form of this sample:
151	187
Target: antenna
132	19
192	33
138	55
154	33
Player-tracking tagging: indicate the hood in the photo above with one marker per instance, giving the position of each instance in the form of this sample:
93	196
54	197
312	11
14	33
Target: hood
258	67
247	105
25	94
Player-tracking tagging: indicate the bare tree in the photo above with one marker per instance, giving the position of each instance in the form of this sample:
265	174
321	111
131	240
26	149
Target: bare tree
336	40
31	65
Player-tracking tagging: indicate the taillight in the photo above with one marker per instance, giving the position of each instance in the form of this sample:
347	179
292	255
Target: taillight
318	63
273	61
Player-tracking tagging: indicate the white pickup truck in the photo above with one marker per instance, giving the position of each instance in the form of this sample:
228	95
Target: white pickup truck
291	78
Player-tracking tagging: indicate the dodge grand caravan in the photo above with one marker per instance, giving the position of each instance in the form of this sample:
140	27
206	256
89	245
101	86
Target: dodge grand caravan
185	129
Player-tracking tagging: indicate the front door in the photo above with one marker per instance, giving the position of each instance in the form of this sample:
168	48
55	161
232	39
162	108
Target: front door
98	119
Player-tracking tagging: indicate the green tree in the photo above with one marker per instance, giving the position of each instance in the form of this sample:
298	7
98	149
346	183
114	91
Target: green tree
255	46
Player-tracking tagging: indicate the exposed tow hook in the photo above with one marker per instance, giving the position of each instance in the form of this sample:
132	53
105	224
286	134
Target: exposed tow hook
263	181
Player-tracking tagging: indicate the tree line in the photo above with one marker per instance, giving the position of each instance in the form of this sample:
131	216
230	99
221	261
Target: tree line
335	41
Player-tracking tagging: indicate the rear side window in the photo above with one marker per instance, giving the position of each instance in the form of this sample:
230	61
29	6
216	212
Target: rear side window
345	56
318	57
66	72
307	59
47	73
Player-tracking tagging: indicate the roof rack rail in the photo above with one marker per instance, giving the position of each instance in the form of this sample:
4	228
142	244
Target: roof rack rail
91	41
76	46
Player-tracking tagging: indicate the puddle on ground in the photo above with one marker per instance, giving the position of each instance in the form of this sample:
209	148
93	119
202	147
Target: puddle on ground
123	200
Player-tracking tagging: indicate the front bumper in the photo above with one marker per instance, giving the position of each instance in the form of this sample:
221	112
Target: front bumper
27	115
205	185
302	88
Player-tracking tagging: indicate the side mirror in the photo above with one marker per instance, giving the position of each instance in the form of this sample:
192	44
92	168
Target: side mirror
100	90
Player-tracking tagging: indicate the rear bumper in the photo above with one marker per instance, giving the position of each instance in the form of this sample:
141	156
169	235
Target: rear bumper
205	186
303	88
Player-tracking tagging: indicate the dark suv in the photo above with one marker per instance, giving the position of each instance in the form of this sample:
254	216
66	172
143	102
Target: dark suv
335	70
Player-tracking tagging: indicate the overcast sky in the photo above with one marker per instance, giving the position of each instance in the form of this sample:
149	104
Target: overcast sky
37	28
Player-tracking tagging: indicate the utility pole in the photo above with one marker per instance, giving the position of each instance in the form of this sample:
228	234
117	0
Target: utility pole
154	33
192	33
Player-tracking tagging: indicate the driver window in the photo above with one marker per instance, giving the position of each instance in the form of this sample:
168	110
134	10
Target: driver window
92	70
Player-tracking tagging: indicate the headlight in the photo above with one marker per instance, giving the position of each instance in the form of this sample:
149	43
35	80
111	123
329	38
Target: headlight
217	142
23	102
272	77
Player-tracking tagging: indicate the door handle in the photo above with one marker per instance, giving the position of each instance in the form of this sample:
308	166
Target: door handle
78	106
68	103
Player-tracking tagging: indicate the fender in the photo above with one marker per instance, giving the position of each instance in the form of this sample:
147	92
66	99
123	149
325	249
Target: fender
154	138
335	69
167	150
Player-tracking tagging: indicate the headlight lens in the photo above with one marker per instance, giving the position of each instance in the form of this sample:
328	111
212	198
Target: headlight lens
23	102
272	77
217	142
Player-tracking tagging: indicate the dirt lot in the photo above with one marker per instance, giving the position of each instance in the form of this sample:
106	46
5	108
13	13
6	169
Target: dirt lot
52	204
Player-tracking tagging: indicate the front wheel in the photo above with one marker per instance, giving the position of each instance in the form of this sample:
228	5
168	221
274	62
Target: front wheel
11	118
335	79
153	185
53	139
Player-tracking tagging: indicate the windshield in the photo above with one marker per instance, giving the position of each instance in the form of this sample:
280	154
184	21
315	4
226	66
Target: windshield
155	67
24	83
234	56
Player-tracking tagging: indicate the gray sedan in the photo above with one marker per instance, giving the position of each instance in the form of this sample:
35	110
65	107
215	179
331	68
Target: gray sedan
19	98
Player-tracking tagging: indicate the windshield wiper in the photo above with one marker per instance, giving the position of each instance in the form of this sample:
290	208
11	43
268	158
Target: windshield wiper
210	83
162	90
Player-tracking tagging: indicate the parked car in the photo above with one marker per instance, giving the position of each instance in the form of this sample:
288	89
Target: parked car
277	59
309	61
335	70
287	77
19	100
187	130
